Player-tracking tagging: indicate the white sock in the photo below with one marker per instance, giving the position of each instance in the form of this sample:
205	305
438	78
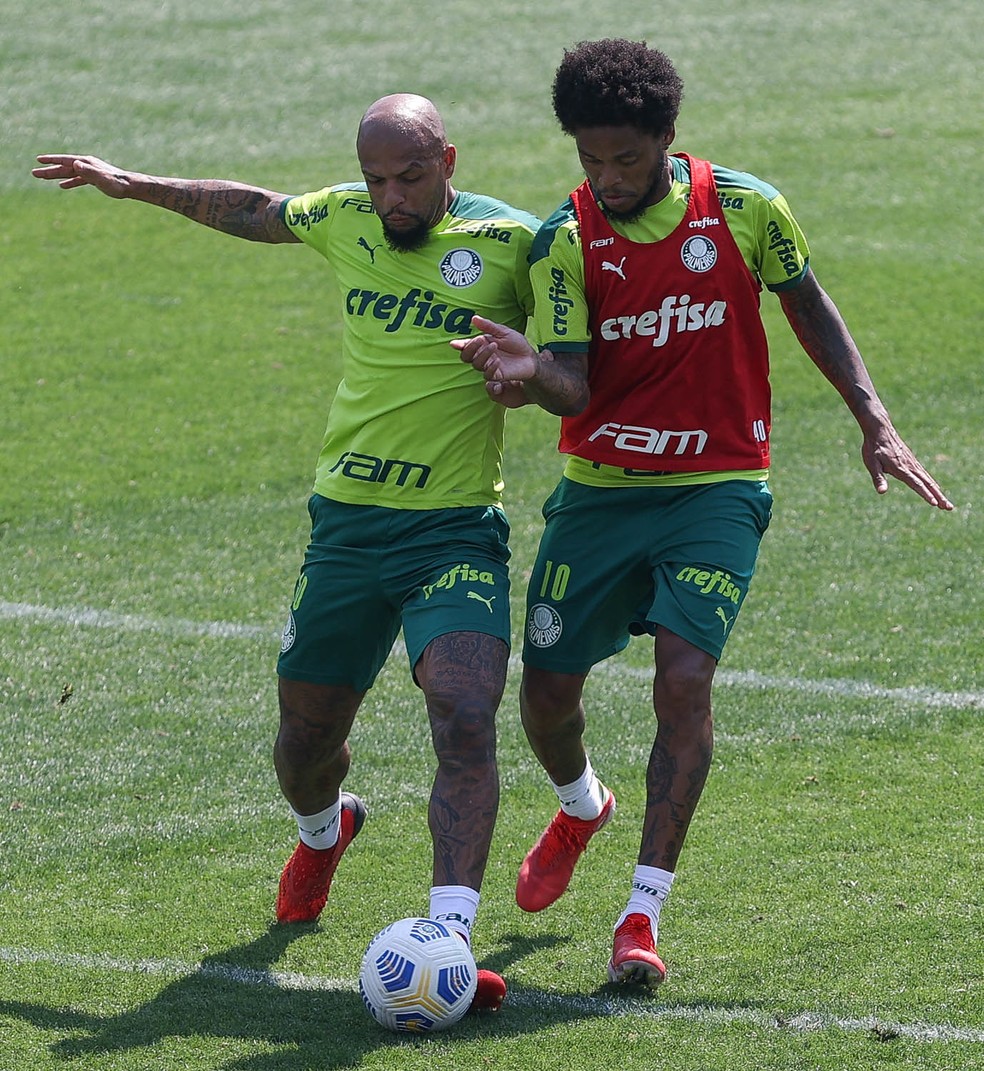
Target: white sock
319	830
650	888
583	798
456	906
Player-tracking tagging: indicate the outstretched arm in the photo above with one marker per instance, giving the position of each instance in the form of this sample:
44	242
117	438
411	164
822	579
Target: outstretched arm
555	382
244	211
822	332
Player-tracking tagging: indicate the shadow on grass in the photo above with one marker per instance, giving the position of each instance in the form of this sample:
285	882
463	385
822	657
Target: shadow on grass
230	996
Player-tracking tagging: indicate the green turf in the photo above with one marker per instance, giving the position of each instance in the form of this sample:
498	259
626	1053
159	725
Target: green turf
163	392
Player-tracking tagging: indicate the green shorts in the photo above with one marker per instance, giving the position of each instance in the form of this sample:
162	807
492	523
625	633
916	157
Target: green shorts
615	562
369	569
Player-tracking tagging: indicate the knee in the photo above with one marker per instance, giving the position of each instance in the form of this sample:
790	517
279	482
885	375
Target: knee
301	751
313	729
681	681
682	695
463	732
550	699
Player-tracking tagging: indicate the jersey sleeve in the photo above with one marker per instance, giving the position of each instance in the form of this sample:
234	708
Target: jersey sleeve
560	318
521	273
309	217
771	241
783	252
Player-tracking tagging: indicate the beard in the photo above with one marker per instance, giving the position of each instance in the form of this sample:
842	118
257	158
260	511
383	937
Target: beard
407	241
626	217
630	215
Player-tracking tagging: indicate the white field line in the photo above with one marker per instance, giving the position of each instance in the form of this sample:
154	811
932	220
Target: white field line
735	678
587	1006
833	688
77	616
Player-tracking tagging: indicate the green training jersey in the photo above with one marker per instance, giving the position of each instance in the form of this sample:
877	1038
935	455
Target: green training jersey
411	425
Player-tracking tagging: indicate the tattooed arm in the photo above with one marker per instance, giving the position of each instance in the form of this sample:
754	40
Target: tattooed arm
244	211
822	332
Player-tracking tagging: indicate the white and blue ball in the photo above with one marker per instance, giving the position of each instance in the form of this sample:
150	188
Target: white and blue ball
417	976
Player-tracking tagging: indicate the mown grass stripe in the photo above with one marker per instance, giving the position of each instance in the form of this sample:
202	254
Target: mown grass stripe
593	1006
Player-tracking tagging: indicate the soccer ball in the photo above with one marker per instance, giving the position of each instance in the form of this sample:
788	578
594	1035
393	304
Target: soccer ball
417	976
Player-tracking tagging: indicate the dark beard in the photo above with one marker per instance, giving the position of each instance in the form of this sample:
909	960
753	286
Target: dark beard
640	207
625	217
407	241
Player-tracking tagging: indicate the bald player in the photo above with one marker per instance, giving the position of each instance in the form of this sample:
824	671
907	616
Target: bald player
407	525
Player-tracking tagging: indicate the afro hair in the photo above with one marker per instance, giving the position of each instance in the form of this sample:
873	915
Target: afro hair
615	82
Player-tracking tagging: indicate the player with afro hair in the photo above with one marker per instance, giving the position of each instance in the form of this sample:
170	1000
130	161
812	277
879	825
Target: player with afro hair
653	351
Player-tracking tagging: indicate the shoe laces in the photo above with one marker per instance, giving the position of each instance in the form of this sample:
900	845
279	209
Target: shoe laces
567	836
637	928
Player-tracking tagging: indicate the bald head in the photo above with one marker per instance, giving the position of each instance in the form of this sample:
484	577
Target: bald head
403	120
407	164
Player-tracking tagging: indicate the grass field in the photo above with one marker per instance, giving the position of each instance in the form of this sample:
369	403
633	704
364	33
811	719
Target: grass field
163	392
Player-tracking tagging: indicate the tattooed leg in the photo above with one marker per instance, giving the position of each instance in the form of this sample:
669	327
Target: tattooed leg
681	754
311	754
462	676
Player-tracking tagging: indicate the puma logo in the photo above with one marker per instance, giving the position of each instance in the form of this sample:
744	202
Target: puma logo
370	249
481	598
607	265
724	617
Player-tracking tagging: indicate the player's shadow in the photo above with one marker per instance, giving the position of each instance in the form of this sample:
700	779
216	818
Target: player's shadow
234	995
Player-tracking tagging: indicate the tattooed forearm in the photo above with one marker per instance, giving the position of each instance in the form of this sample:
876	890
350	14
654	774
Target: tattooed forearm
561	384
820	328
243	211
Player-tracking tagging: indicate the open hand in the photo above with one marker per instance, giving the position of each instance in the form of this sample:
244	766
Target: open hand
499	353
886	454
71	172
